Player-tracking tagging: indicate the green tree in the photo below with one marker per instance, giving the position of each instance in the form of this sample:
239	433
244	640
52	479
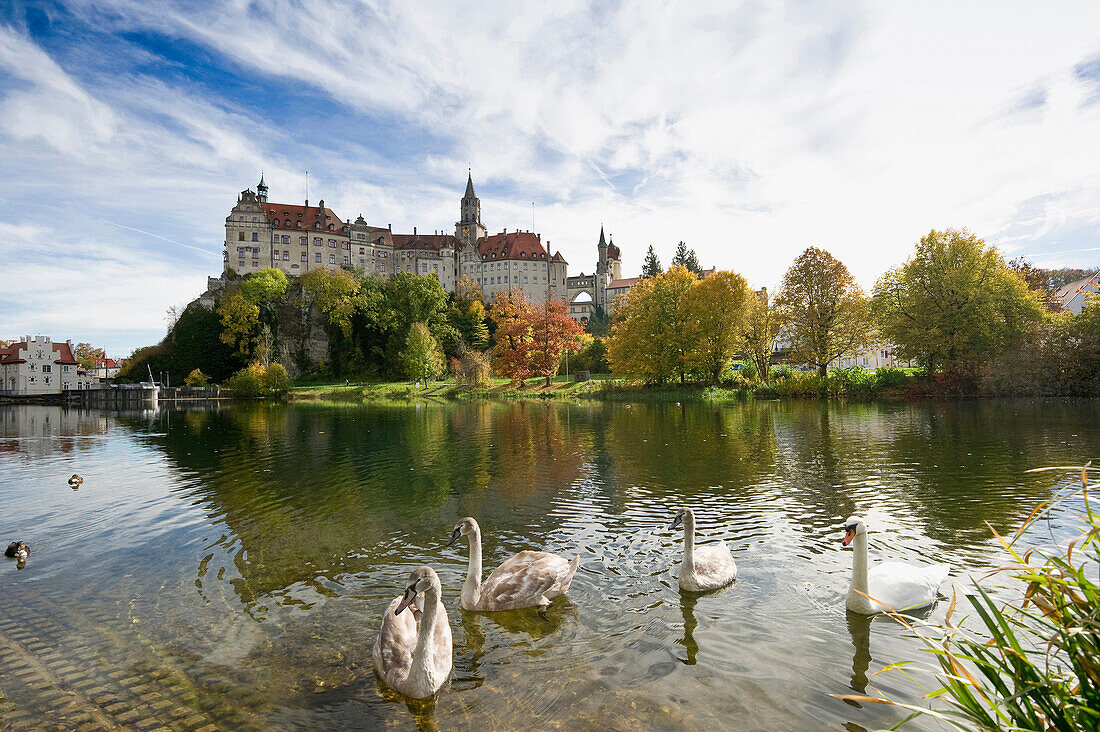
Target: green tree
762	328
825	311
652	266
265	286
240	321
422	357
86	354
686	258
954	304
467	314
650	339
598	322
196	378
334	294
717	308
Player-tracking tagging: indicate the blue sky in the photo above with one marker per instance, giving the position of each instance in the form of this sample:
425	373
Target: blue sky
749	130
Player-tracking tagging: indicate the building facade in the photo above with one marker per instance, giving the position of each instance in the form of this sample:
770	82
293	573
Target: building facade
39	366
298	238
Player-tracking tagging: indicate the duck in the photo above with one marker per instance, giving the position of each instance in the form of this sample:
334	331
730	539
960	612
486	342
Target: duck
75	481
18	550
527	579
704	568
413	652
894	586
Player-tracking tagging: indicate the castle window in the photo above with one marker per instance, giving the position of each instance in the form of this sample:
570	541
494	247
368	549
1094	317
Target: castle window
299	224
287	223
240	236
382	267
255	236
347	260
317	257
317	242
303	240
275	238
286	256
304	256
286	240
254	220
332	259
330	227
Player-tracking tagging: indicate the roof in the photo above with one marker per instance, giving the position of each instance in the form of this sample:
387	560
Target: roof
279	213
105	362
429	242
613	251
10	352
64	353
625	282
514	245
470	186
1065	293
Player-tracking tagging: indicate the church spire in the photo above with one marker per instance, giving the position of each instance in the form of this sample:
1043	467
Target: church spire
469	185
261	189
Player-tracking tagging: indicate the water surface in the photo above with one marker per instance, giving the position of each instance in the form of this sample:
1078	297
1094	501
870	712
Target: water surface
228	566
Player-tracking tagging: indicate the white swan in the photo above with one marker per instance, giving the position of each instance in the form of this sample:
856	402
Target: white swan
527	579
412	654
893	585
706	567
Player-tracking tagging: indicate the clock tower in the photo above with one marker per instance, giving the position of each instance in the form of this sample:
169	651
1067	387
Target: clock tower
469	229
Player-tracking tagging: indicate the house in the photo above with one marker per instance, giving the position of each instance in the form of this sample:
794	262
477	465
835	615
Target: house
40	366
1075	296
106	368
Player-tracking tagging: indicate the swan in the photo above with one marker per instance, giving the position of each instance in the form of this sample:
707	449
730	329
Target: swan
75	481
412	654
528	579
704	568
895	586
18	549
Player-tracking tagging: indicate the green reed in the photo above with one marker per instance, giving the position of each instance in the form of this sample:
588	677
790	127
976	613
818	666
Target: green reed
1034	664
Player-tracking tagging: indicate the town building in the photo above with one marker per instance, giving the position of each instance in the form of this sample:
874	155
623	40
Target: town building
881	355
105	368
1075	296
298	238
39	366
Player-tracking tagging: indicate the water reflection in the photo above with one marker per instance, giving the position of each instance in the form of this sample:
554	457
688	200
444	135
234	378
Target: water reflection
256	546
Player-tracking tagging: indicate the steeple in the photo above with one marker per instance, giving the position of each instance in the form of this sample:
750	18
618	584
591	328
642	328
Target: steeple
469	185
261	189
469	228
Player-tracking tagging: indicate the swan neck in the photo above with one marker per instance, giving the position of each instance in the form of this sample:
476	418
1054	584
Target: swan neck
472	588
422	656
689	543
859	563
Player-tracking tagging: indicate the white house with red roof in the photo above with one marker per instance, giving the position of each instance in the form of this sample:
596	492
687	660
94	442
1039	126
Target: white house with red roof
39	366
105	368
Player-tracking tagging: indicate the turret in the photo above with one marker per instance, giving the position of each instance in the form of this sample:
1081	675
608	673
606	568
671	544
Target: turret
261	189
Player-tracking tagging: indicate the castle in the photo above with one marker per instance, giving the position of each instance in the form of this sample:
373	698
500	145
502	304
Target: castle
299	238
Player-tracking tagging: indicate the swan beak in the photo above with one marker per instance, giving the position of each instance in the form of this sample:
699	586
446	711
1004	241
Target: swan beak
455	536
849	534
410	595
676	522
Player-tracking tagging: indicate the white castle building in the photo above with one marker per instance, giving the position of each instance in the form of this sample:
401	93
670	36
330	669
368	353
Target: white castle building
299	238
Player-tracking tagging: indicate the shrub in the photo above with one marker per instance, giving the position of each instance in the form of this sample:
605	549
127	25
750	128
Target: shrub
248	382
748	370
781	371
473	366
197	378
890	378
275	379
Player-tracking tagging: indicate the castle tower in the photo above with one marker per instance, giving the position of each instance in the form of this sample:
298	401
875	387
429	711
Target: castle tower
261	189
469	229
601	272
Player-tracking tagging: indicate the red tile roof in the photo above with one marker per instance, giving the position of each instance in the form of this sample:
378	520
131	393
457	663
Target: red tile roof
514	245
10	353
430	242
626	282
108	362
64	353
279	213
613	252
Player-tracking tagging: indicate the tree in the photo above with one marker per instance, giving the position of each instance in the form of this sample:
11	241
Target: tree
87	354
826	313
413	298
265	346
422	357
512	316
240	321
954	304
467	314
686	258
652	266
334	295
716	309
598	321
196	378
1038	279
265	286
650	338
552	333
762	328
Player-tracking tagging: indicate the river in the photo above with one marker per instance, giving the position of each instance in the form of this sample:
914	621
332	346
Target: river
226	568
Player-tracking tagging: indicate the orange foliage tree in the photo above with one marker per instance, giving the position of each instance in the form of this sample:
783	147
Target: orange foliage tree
530	339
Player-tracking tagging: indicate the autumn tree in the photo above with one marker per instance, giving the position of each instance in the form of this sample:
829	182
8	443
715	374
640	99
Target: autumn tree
421	357
334	294
86	354
651	267
825	311
763	324
240	321
686	258
955	303
511	314
265	286
467	314
552	333
716	309
651	338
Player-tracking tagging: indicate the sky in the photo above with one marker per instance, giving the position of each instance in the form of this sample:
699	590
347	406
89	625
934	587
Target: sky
749	130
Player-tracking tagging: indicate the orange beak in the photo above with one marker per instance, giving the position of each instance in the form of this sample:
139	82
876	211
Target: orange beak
848	536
